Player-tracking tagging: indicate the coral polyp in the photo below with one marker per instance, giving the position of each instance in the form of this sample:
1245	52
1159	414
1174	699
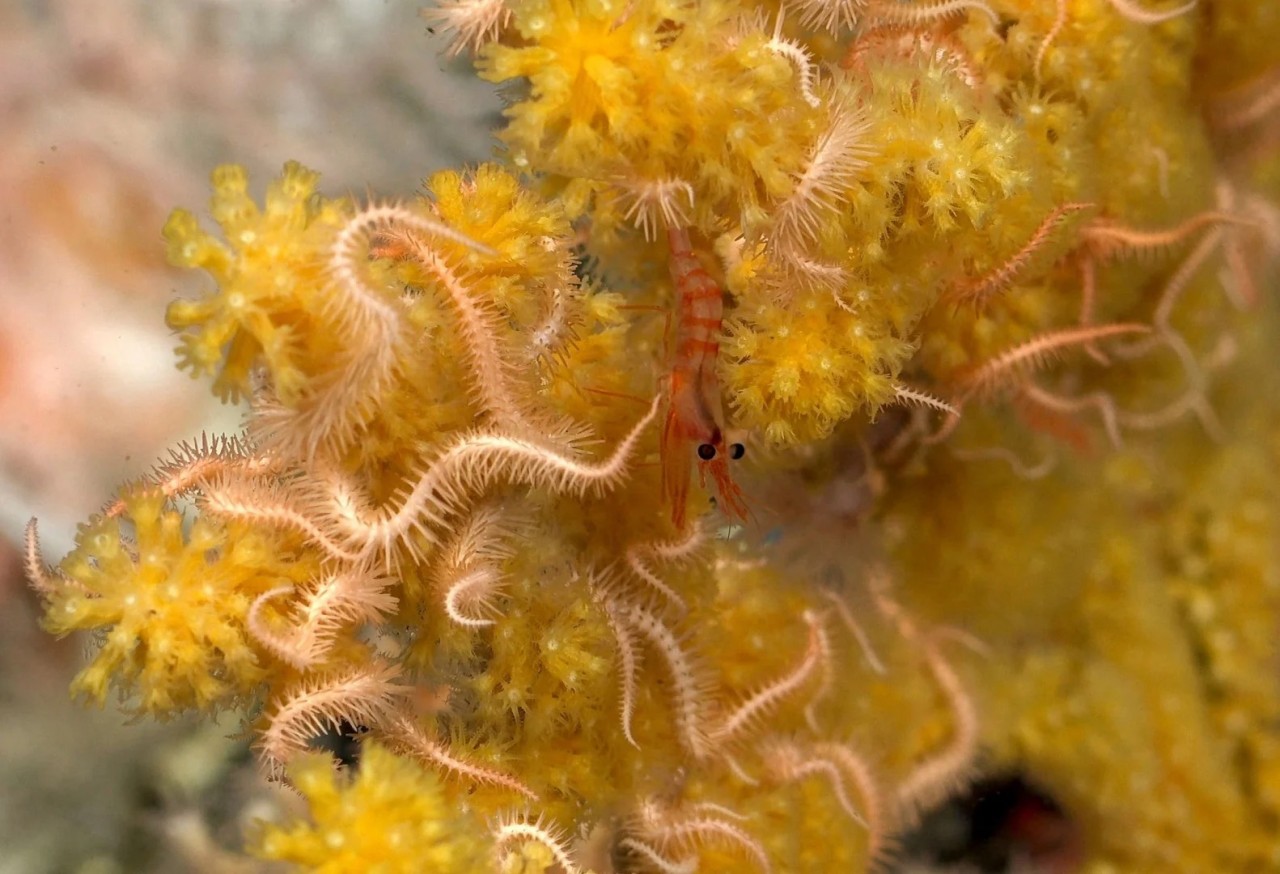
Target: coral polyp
994	315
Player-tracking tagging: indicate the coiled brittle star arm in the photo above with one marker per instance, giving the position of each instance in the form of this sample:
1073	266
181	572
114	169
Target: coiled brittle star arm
340	523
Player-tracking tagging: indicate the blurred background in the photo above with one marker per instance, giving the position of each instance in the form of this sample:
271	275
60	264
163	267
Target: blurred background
112	112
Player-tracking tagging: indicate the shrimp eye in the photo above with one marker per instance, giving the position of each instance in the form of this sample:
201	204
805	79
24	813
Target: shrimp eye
706	451
737	450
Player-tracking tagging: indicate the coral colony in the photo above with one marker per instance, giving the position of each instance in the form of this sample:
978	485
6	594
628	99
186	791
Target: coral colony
817	407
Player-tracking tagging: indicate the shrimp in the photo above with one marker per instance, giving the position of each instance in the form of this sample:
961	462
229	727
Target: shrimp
695	413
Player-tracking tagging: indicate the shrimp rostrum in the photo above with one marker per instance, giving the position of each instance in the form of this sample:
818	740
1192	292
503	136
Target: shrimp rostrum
694	432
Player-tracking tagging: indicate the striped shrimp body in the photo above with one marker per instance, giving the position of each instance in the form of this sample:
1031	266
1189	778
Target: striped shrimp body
694	431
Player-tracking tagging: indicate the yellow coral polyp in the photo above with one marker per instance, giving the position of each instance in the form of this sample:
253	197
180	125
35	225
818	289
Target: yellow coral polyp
391	816
167	607
451	533
268	267
796	372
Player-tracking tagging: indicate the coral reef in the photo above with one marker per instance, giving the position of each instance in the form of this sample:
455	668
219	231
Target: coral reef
950	237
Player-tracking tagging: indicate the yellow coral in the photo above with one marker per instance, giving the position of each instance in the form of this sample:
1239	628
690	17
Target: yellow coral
268	272
452	517
167	606
392	815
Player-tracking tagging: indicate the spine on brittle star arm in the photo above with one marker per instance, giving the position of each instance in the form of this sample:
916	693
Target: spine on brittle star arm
466	468
685	828
938	776
675	550
192	464
1036	352
406	735
838	156
45	582
272	504
790	761
469	574
370	321
831	15
1108	240
978	291
517	828
365	695
892	12
494	378
629	662
758	705
326	606
689	680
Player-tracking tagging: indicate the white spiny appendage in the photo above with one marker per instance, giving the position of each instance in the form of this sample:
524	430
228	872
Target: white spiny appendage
269	503
832	16
45	583
371	319
810	274
714	808
486	536
556	332
496	383
978	290
326	606
907	395
413	741
937	777
855	628
839	155
469	571
685	828
351	246
637	553
799	57
751	711
857	770
471	594
891	11
195	460
691	686
1109	240
299	655
1034	353
366	695
790	762
629	658
1141	15
657	860
655	203
469	466
472	22
510	829
828	679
